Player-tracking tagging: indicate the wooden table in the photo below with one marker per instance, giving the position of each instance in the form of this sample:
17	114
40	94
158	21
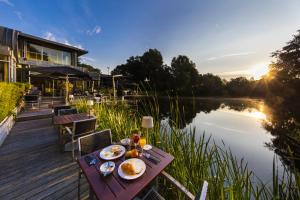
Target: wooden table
113	186
69	119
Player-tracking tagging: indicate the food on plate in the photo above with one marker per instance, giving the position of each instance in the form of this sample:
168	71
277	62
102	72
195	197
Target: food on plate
132	153
128	154
128	168
116	150
107	154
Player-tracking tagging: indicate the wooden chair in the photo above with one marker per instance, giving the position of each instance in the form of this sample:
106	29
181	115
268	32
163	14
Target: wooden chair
32	99
67	111
90	143
80	128
57	108
152	194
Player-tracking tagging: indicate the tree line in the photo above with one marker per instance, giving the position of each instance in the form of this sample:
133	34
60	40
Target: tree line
183	78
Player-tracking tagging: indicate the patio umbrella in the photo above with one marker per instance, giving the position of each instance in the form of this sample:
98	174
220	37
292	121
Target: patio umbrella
60	72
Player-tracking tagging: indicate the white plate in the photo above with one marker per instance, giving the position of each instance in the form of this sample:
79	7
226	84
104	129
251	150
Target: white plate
107	167
139	165
125	141
106	153
147	147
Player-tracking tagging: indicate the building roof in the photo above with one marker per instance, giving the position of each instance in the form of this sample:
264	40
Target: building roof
59	71
53	43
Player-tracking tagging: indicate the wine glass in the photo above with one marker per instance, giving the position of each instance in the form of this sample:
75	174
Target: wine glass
136	139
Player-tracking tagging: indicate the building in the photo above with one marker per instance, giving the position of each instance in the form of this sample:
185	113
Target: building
45	64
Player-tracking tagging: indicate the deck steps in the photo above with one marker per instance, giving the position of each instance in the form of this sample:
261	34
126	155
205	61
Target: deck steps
34	114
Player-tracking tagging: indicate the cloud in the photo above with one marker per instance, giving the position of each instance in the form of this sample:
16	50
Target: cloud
50	36
234	74
79	46
7	2
19	15
230	55
87	59
96	30
237	72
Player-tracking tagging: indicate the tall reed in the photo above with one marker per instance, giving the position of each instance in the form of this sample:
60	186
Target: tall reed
196	159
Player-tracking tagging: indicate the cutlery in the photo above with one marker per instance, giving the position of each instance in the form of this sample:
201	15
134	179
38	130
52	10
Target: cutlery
151	158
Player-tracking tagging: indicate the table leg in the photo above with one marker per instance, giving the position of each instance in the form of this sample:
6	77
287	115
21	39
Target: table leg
91	195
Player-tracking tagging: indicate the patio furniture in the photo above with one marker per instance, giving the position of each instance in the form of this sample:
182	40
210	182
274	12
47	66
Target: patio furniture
67	111
67	120
90	143
80	128
57	108
32	99
113	186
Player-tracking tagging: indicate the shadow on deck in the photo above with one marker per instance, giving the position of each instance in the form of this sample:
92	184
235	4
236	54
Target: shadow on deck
32	167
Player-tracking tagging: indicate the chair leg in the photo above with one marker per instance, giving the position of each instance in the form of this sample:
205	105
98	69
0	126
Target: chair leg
78	186
73	151
91	195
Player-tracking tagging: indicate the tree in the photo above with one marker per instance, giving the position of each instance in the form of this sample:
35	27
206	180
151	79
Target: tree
185	74
88	67
210	85
286	71
239	87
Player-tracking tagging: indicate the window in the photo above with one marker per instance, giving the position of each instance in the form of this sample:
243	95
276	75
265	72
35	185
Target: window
36	52
3	68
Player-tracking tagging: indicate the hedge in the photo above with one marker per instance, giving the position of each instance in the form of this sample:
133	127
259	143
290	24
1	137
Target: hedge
10	96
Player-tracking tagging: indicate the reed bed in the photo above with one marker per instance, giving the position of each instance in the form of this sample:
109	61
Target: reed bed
196	159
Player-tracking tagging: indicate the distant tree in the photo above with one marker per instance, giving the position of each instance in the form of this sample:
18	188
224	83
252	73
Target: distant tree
185	75
286	71
240	86
89	68
148	67
210	85
152	61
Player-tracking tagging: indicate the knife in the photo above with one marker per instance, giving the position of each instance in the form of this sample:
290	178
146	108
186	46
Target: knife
151	158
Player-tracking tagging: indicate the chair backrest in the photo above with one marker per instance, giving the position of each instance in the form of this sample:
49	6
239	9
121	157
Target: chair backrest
202	194
57	108
31	98
67	111
84	127
92	142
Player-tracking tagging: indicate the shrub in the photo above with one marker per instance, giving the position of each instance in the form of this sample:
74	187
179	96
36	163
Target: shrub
10	96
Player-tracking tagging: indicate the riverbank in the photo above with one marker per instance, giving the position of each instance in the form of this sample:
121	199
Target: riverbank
196	159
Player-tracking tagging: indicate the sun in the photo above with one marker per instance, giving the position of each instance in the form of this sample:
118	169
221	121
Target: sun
259	70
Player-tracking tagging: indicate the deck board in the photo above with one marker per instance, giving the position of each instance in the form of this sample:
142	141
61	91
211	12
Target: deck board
32	167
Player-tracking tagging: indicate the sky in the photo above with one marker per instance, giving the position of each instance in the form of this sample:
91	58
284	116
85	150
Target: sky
229	38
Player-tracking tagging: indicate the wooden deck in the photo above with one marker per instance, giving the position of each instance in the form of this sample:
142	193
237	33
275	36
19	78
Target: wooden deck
32	167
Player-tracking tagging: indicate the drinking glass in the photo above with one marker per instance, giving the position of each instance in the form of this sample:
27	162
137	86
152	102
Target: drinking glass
143	142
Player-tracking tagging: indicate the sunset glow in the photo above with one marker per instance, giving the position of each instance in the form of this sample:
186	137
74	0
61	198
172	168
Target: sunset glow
259	70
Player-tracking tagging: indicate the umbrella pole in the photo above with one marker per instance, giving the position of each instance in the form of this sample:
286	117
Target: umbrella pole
52	87
67	88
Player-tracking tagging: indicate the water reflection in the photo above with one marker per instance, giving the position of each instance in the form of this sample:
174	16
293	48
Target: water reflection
253	129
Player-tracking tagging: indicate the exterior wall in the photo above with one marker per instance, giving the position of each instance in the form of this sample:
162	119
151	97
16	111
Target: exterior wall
13	44
9	65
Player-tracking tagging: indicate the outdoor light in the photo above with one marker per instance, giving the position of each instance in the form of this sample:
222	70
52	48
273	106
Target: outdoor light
147	123
90	103
71	97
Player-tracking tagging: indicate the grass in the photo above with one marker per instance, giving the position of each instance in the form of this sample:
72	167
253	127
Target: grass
195	160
